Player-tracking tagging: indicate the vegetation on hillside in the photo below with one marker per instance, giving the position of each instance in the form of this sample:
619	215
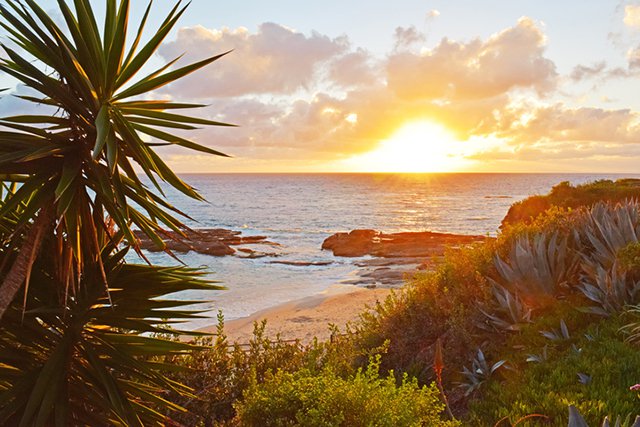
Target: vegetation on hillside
537	320
566	196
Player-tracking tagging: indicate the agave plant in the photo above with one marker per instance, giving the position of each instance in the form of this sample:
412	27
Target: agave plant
576	420
73	349
537	265
539	358
610	289
609	228
480	372
561	334
509	313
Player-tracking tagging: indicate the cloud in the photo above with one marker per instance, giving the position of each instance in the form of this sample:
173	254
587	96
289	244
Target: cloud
558	123
353	69
582	72
513	58
276	60
632	16
433	13
407	37
309	98
468	87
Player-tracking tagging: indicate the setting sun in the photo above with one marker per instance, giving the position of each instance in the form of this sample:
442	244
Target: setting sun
416	147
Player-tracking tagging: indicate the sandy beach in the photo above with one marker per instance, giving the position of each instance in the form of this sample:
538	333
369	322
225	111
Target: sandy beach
309	317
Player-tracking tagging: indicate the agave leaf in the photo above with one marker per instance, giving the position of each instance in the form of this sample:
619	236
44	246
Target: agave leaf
575	419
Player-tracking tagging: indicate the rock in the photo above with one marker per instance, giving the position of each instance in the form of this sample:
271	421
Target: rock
353	244
214	249
359	243
388	262
213	241
303	263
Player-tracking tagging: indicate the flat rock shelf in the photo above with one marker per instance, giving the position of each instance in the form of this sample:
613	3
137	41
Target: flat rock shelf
395	256
210	241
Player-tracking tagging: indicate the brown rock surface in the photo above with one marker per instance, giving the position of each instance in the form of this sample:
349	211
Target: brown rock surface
213	241
359	243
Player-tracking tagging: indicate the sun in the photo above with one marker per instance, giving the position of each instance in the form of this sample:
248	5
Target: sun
422	146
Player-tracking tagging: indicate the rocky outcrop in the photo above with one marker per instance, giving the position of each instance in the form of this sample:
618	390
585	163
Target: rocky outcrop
359	243
214	242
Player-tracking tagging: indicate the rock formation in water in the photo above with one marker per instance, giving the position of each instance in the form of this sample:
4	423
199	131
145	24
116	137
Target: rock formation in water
359	243
215	242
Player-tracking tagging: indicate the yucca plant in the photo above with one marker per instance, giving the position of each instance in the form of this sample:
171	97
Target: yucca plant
73	349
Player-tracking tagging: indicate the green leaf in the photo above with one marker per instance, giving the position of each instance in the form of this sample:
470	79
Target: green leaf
147	85
102	131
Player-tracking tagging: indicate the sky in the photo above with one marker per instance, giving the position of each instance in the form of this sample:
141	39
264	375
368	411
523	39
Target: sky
408	85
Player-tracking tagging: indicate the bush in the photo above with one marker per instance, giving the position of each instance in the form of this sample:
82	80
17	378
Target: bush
440	304
220	372
564	195
607	366
302	398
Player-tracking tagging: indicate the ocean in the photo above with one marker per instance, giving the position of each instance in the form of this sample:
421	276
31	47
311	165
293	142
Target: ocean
298	211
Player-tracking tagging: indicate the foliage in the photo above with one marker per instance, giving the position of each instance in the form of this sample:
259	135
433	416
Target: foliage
326	399
609	229
87	363
567	196
536	265
431	305
220	372
508	312
530	279
480	372
550	386
576	420
632	329
610	289
73	349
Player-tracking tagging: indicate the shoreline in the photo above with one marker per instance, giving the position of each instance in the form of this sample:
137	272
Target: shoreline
307	318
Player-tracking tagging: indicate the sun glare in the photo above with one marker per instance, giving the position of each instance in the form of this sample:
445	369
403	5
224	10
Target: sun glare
416	147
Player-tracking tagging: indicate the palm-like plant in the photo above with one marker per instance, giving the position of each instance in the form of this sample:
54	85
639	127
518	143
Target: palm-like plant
70	348
77	166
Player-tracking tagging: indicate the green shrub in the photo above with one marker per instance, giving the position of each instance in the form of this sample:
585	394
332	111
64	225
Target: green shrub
326	399
564	195
440	304
629	257
220	372
607	366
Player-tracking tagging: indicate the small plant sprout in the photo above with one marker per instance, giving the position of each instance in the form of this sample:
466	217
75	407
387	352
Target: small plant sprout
539	358
584	378
558	335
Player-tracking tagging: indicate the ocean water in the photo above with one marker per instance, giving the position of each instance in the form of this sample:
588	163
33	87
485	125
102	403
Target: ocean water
298	211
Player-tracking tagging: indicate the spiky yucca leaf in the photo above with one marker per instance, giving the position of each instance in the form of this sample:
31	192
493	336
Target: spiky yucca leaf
79	157
90	363
74	349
